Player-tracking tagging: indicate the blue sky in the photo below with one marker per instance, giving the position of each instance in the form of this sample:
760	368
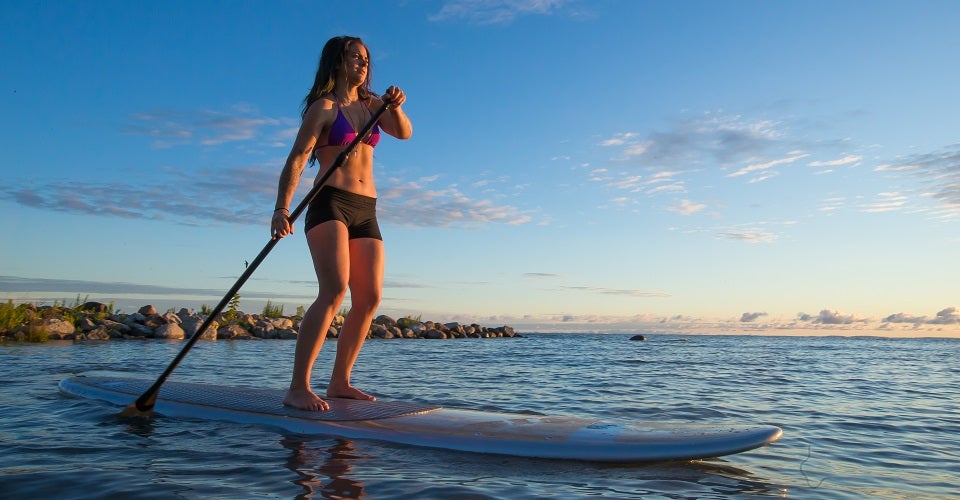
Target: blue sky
575	165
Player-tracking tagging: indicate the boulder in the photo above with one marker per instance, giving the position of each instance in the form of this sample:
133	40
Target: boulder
169	331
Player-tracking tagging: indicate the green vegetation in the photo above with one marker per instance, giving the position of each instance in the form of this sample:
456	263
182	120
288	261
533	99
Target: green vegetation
12	316
300	312
36	332
233	309
343	312
205	310
408	320
272	311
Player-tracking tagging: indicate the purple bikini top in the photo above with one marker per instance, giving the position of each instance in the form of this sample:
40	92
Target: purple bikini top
342	133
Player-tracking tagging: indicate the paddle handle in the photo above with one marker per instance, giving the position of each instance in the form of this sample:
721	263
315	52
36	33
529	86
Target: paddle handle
145	403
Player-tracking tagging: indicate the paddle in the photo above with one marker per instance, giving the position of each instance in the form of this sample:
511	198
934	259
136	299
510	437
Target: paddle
143	406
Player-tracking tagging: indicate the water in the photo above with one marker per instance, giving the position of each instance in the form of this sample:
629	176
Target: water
862	417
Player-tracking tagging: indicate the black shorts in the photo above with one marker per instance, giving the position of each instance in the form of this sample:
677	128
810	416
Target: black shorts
356	211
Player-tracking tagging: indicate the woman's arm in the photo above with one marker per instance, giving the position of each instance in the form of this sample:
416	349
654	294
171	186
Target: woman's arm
395	122
303	146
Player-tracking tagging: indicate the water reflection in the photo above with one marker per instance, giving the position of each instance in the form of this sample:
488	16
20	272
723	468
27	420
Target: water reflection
323	472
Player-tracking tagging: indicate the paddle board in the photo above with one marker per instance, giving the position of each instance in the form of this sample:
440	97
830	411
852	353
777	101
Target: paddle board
535	436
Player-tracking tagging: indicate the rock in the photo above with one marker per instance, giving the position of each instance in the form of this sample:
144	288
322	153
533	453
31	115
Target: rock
191	324
380	332
147	310
86	324
169	331
95	307
233	332
287	334
434	334
57	326
639	337
333	332
139	330
385	320
99	333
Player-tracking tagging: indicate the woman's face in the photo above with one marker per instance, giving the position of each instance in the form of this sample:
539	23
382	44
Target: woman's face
356	62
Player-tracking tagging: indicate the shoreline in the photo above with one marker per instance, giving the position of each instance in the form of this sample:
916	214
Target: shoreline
97	321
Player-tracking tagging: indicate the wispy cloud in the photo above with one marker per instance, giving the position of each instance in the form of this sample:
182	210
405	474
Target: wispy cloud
846	160
939	176
15	284
413	204
617	291
240	195
494	11
763	167
173	127
234	195
541	275
886	202
687	207
748	235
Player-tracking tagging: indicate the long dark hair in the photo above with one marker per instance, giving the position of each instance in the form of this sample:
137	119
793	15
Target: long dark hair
331	64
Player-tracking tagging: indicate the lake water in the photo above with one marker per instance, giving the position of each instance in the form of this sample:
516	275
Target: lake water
862	417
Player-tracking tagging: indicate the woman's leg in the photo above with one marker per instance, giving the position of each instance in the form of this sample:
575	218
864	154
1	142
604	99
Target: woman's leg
329	248
366	289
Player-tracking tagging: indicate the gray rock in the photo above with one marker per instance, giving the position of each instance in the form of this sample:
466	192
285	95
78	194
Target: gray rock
169	331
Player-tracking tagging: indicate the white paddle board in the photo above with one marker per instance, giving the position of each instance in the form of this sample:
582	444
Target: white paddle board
532	436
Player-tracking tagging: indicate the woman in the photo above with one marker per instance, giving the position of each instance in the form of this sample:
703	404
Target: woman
341	224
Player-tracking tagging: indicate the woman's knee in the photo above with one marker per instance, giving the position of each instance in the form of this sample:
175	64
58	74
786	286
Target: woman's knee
367	300
331	292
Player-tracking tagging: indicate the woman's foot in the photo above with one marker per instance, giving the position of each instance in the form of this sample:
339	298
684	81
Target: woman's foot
348	392
304	399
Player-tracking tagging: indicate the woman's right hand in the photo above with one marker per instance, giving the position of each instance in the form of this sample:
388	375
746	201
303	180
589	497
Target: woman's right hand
280	225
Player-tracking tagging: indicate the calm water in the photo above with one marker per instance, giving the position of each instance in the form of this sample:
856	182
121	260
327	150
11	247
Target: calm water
862	417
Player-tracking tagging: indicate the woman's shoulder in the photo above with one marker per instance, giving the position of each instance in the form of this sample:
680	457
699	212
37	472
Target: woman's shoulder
323	109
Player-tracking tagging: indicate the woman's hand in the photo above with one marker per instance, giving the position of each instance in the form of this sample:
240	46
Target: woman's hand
280	224
394	96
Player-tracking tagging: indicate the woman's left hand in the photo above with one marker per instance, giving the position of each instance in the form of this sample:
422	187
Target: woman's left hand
394	96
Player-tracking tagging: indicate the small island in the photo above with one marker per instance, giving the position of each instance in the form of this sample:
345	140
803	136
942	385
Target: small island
96	321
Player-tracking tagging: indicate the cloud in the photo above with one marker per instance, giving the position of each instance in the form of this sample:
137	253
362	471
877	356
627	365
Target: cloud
541	275
887	202
184	197
172	127
748	235
410	204
614	291
846	160
939	175
748	317
828	317
494	11
687	207
15	284
904	318
244	195
948	316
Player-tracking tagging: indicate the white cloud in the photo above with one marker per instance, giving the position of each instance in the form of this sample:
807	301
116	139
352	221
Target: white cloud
494	11
846	160
687	207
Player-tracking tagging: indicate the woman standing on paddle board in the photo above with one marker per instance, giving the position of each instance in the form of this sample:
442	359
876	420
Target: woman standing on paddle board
341	223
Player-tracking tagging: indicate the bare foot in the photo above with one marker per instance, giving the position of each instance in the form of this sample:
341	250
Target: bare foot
305	400
349	392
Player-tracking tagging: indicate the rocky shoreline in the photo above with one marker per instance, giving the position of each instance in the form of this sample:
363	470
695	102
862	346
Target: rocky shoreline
96	321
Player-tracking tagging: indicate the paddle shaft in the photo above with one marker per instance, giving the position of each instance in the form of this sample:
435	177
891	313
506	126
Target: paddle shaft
143	406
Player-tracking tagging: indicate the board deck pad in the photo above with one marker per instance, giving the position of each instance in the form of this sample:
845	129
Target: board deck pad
254	400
